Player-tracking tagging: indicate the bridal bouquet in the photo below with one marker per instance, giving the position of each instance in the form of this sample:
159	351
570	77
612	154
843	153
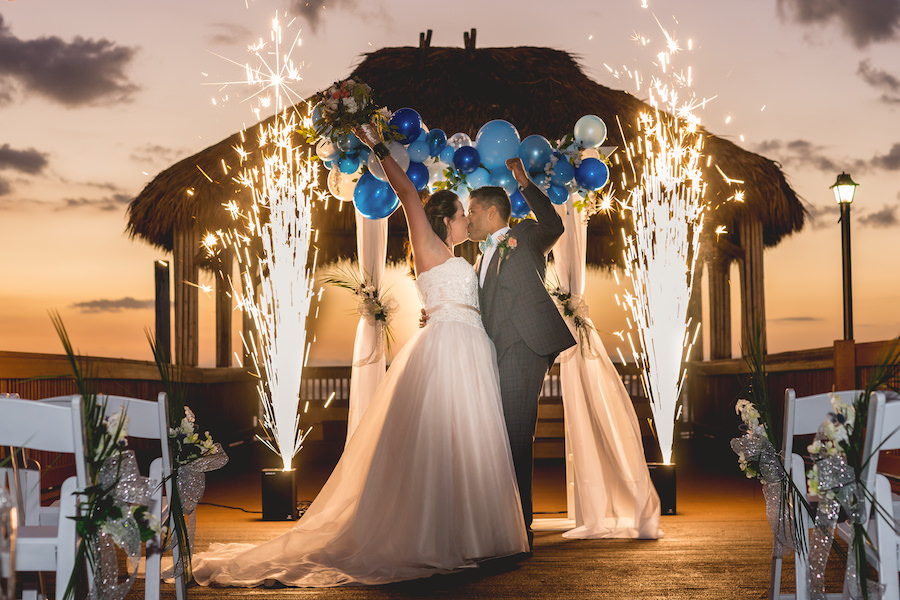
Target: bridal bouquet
343	107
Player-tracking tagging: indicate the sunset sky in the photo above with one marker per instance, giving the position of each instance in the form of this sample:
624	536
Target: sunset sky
96	98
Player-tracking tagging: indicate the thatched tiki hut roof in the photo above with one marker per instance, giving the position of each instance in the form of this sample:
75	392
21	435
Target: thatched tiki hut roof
539	90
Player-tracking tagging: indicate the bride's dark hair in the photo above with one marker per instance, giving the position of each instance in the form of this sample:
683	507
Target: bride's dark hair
438	205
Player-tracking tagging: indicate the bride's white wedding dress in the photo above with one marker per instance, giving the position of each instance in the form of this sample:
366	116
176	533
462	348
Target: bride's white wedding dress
426	483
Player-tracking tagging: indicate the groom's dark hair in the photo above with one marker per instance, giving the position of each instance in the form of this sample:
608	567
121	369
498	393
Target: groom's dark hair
492	195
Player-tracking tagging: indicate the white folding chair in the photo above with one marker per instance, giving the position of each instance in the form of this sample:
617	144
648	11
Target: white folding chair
33	425
802	416
883	433
147	420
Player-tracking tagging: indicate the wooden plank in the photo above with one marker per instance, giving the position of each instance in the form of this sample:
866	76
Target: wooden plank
550	430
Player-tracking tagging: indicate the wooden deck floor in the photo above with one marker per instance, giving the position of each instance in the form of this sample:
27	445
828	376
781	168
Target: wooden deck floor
717	546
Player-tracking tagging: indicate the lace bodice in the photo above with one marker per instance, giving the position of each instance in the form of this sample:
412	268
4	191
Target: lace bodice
449	292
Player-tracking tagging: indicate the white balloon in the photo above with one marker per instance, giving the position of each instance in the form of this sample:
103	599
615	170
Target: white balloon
398	153
325	149
458	140
341	185
590	153
462	191
435	171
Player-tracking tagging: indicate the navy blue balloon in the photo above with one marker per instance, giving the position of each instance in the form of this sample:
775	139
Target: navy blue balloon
466	159
540	179
418	174
592	174
563	171
437	139
520	208
535	152
407	124
349	164
373	198
558	194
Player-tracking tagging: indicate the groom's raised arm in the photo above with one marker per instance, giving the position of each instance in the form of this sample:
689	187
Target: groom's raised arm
550	225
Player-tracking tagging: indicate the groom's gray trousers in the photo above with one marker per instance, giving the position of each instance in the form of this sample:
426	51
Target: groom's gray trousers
521	378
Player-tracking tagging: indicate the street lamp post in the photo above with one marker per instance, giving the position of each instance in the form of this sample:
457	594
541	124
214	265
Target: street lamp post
844	189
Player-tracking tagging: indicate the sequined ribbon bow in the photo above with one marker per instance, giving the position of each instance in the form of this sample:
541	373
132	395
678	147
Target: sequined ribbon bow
837	489
128	489
753	447
191	483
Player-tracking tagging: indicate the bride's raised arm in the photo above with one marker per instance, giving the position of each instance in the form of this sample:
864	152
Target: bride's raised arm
428	249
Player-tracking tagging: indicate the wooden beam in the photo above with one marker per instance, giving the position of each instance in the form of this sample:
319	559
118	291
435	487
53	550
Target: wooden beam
224	308
753	300
186	272
719	279
163	305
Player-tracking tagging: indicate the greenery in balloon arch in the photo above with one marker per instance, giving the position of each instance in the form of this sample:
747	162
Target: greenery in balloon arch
433	160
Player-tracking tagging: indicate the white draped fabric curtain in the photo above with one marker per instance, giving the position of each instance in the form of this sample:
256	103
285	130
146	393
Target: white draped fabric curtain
368	370
608	483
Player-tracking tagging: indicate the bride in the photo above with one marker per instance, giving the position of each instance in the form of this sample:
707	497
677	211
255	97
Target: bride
426	483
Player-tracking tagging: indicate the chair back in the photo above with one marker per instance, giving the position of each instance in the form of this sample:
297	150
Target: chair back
46	427
805	414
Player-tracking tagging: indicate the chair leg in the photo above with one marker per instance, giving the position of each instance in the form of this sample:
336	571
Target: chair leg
886	541
775	578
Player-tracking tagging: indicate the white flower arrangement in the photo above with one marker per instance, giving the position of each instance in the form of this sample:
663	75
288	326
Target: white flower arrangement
188	446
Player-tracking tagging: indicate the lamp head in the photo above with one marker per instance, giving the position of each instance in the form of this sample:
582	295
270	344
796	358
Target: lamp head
844	189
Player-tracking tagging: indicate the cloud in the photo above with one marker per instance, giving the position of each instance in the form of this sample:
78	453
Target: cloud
795	319
803	153
156	154
5	187
80	72
27	161
889	161
886	217
229	34
822	216
106	203
313	10
863	21
881	80
107	305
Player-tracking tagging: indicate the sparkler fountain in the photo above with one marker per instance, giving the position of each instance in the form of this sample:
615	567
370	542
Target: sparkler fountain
666	209
277	275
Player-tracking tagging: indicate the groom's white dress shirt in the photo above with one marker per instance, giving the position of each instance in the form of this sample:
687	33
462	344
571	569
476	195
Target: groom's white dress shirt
488	254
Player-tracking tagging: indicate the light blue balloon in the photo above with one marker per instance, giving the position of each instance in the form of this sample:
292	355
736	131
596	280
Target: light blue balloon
558	194
540	179
349	164
328	164
418	150
480	177
563	171
364	154
503	177
447	155
497	141
535	152
590	131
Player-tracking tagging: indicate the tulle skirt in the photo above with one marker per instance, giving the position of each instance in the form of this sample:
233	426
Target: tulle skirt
426	484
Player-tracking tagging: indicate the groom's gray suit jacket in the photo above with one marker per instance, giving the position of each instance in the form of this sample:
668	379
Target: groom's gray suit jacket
514	301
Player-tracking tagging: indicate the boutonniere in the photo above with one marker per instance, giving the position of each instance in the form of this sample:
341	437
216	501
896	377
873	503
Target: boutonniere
506	244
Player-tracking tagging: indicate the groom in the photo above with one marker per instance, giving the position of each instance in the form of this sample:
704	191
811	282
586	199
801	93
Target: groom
518	313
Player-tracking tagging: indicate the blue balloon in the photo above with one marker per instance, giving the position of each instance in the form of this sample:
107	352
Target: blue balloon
563	171
418	151
535	152
328	164
520	208
540	179
558	194
347	142
373	198
503	177
349	164
447	155
590	131
364	154
480	177
318	121
407	124
466	159
437	139
418	174
592	174
497	141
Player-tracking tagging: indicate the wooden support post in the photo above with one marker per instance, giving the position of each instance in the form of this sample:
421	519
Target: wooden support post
753	301
224	308
695	311
844	365
186	244
719	278
163	332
